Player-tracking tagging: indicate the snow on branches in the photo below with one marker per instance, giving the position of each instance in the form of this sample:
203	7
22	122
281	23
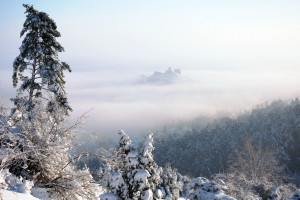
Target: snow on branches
38	66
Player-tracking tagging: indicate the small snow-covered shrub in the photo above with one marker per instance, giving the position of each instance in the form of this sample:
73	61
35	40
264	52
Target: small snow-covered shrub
37	151
255	172
72	184
240	187
202	189
172	184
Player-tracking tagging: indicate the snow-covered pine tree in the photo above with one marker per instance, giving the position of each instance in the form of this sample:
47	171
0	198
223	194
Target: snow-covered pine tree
128	155
38	136
148	163
133	173
38	67
35	117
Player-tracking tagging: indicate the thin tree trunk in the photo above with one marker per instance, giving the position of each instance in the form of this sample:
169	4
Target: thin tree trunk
32	81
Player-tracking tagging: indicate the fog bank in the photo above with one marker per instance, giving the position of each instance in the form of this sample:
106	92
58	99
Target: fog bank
120	102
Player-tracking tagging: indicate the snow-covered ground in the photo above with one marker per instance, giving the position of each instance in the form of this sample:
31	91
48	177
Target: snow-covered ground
11	195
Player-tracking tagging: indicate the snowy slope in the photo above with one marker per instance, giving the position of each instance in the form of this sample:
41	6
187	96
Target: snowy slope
11	195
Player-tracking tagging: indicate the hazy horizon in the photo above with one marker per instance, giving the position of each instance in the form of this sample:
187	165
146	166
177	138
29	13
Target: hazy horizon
232	55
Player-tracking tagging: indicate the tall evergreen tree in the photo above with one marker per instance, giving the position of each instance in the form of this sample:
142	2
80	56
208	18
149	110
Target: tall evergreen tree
35	140
38	66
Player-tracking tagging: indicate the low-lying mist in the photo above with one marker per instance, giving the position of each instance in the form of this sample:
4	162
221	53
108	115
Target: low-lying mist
119	100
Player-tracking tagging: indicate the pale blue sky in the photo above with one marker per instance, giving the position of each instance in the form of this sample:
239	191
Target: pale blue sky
196	34
237	53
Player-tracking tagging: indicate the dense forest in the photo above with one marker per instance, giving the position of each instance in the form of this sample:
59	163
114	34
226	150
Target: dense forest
206	151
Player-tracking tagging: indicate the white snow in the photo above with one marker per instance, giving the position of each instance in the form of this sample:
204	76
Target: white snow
132	154
25	187
148	195
107	196
148	144
11	195
141	175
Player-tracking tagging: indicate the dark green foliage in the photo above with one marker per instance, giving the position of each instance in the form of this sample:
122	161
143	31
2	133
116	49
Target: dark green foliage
38	66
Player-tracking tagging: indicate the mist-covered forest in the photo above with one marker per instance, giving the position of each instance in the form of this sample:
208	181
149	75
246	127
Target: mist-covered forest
203	152
210	147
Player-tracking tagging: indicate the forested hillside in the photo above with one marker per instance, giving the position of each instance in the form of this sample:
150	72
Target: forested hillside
206	151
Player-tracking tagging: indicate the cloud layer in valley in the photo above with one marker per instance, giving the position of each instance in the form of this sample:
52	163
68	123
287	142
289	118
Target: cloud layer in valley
119	103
